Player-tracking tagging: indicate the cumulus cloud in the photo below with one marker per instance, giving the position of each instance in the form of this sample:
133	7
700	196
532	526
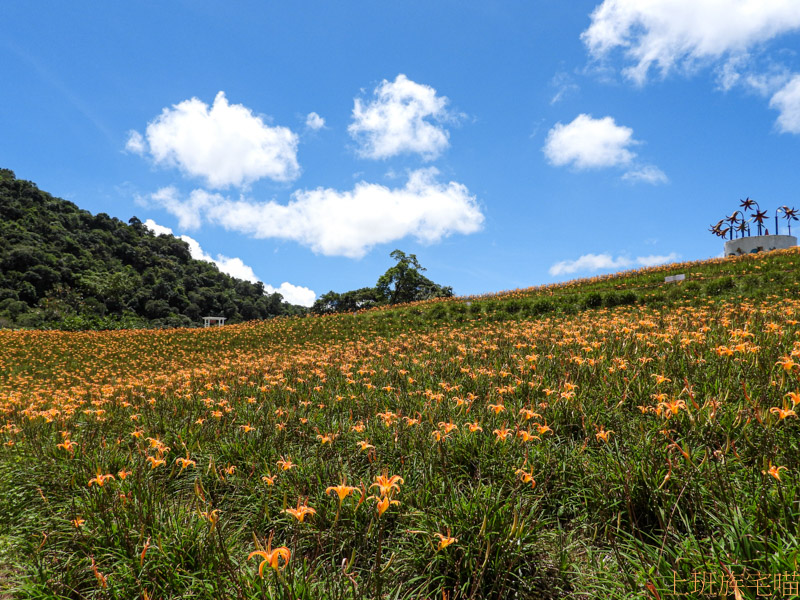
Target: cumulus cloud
670	34
224	144
235	267
190	211
590	263
398	120
314	121
294	294
158	229
787	102
646	174
587	143
343	223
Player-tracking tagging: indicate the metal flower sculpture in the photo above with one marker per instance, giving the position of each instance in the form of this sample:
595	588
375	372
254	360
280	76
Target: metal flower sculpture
717	229
760	217
790	214
733	220
748	203
742	227
738	222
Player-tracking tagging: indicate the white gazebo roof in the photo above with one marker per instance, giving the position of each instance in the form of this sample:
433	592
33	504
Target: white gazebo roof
219	321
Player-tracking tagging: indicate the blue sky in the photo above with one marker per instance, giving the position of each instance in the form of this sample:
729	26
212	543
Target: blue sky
506	144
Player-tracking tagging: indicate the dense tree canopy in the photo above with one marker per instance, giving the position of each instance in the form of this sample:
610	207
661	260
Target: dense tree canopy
61	266
404	282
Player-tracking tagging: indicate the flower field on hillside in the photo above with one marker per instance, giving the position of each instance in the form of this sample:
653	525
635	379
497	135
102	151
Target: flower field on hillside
635	451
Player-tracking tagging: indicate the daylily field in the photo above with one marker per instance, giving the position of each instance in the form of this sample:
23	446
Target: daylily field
610	438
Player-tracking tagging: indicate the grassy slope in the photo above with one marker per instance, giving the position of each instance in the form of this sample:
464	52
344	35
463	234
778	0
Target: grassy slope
671	492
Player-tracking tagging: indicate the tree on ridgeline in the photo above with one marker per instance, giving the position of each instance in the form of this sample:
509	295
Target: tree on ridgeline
403	282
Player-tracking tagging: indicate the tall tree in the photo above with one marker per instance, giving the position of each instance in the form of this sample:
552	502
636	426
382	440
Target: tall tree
404	282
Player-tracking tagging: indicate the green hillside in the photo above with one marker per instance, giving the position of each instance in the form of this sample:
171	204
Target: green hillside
62	267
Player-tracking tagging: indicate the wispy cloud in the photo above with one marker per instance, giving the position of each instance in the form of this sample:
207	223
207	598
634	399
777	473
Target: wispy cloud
564	85
646	174
591	263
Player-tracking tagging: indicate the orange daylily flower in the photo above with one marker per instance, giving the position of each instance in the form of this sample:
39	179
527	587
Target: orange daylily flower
271	557
526	476
502	434
342	490
603	434
445	540
782	413
387	485
774	471
286	464
300	512
67	445
383	504
155	462
100	479
185	462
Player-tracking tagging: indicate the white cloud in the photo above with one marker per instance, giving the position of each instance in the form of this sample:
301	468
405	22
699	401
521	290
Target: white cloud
657	259
156	228
349	223
189	212
294	294
397	121
587	143
787	102
314	121
225	144
135	143
564	85
235	267
589	263
197	252
646	174
343	223
684	34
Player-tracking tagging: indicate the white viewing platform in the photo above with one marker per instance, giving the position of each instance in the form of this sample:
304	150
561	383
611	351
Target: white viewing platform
214	321
759	243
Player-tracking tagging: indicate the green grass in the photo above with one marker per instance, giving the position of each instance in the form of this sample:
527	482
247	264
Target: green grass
670	494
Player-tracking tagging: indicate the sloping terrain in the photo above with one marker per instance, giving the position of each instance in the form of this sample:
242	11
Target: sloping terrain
609	438
62	267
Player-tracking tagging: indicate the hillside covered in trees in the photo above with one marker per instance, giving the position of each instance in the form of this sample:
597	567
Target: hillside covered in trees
62	267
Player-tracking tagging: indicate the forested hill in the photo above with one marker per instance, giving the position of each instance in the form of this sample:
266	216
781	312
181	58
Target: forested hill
62	267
